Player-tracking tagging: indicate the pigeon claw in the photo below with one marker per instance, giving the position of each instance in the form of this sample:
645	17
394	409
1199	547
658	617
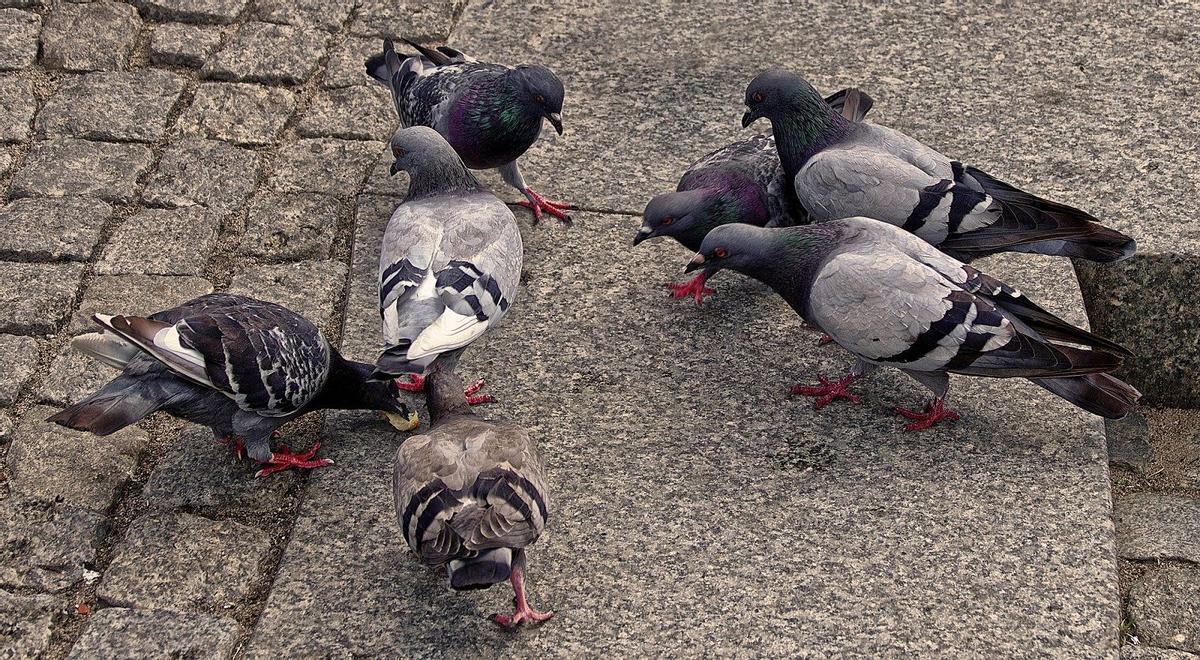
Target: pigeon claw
416	383
694	288
824	340
473	396
539	204
524	613
284	459
828	391
235	443
935	411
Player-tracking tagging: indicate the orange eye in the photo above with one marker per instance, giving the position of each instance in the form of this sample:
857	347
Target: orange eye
720	253
758	97
668	221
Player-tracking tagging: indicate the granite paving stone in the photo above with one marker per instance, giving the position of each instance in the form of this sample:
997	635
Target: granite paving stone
309	288
1144	652
119	632
23	3
52	229
73	376
55	463
360	330
18	358
325	15
1158	527
27	623
139	295
419	20
115	106
90	36
6	159
351	113
212	173
291	226
345	66
241	113
17	105
18	38
69	166
36	298
161	242
182	44
193	11
1164	607
183	562
381	181
45	545
268	53
1129	442
324	165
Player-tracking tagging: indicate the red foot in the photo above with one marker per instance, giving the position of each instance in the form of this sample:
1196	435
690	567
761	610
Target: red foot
935	411
825	339
475	399
284	459
235	443
524	612
537	204
827	391
694	288
416	383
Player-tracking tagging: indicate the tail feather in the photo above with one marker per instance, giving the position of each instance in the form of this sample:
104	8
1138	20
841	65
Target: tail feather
106	348
394	362
120	403
489	567
1100	394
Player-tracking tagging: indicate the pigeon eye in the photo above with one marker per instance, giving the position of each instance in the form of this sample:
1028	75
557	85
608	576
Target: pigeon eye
668	220
720	253
758	97
398	151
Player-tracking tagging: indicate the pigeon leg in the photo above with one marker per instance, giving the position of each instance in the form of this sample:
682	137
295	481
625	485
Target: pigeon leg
537	204
416	383
284	459
825	339
695	288
473	396
828	391
235	443
935	411
524	612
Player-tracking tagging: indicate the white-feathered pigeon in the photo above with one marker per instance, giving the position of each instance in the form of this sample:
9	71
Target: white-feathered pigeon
892	299
450	262
240	366
490	113
742	182
841	169
470	496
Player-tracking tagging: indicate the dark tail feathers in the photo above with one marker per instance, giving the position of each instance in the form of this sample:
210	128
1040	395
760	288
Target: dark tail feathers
490	567
394	362
1100	394
118	404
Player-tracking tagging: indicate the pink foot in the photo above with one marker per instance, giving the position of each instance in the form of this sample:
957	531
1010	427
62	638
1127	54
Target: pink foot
474	398
235	443
827	391
935	411
416	383
284	459
694	288
537	204
524	612
825	339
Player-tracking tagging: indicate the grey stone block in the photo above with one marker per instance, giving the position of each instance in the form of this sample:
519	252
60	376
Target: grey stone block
1129	442
1158	527
90	36
325	15
118	632
211	173
184	563
420	21
309	288
346	65
29	623
52	462
161	242
291	226
52	229
68	166
361	339
36	298
113	106
1144	652
351	113
268	53
18	38
17	105
325	165
241	113
193	11
46	546
381	181
18	358
138	295
181	44
1164	607
73	376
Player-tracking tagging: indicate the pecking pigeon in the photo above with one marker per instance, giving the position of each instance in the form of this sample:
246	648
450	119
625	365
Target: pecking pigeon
838	169
240	366
490	113
449	265
894	300
742	182
470	496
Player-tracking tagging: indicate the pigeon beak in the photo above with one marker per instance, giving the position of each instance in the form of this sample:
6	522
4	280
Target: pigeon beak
696	263
402	423
748	118
643	233
555	121
395	168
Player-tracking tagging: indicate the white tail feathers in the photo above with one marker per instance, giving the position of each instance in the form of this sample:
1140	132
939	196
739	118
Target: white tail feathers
451	330
105	348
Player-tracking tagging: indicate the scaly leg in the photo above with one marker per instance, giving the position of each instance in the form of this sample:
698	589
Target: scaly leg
235	443
828	391
935	411
537	204
694	288
524	611
284	459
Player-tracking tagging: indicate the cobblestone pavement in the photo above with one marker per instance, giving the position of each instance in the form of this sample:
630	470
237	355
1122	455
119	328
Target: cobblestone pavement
154	150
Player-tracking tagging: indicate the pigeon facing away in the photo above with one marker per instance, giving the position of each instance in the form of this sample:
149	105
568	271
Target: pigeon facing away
839	169
470	496
240	366
450	262
490	113
742	182
893	300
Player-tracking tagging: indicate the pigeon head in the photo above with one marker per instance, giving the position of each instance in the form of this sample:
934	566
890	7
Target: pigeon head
776	92
542	93
432	164
738	246
673	214
351	386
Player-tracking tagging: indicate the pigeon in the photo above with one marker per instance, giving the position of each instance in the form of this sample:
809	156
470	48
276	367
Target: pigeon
892	299
838	169
449	265
741	182
490	113
470	497
240	366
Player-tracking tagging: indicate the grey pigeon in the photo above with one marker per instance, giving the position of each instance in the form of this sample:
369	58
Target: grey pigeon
741	182
470	496
891	299
450	262
490	113
839	169
240	366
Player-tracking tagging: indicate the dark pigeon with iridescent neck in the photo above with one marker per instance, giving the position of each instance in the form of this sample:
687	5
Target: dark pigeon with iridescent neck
490	113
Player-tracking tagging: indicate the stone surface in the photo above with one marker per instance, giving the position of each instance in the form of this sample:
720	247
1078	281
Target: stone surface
17	105
36	298
1159	527
325	15
212	173
422	21
73	376
351	113
138	295
45	545
330	166
185	563
268	53
55	463
241	113
361	339
1143	652
18	38
68	166
192	11
161	242
346	63
18	357
291	226
1129	442
381	181
180	44
27	623
52	229
90	36
114	106
118	632
309	288
1164	607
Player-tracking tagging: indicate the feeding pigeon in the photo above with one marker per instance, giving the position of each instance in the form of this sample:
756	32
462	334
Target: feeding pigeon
838	169
490	113
240	366
742	182
470	496
449	265
894	300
